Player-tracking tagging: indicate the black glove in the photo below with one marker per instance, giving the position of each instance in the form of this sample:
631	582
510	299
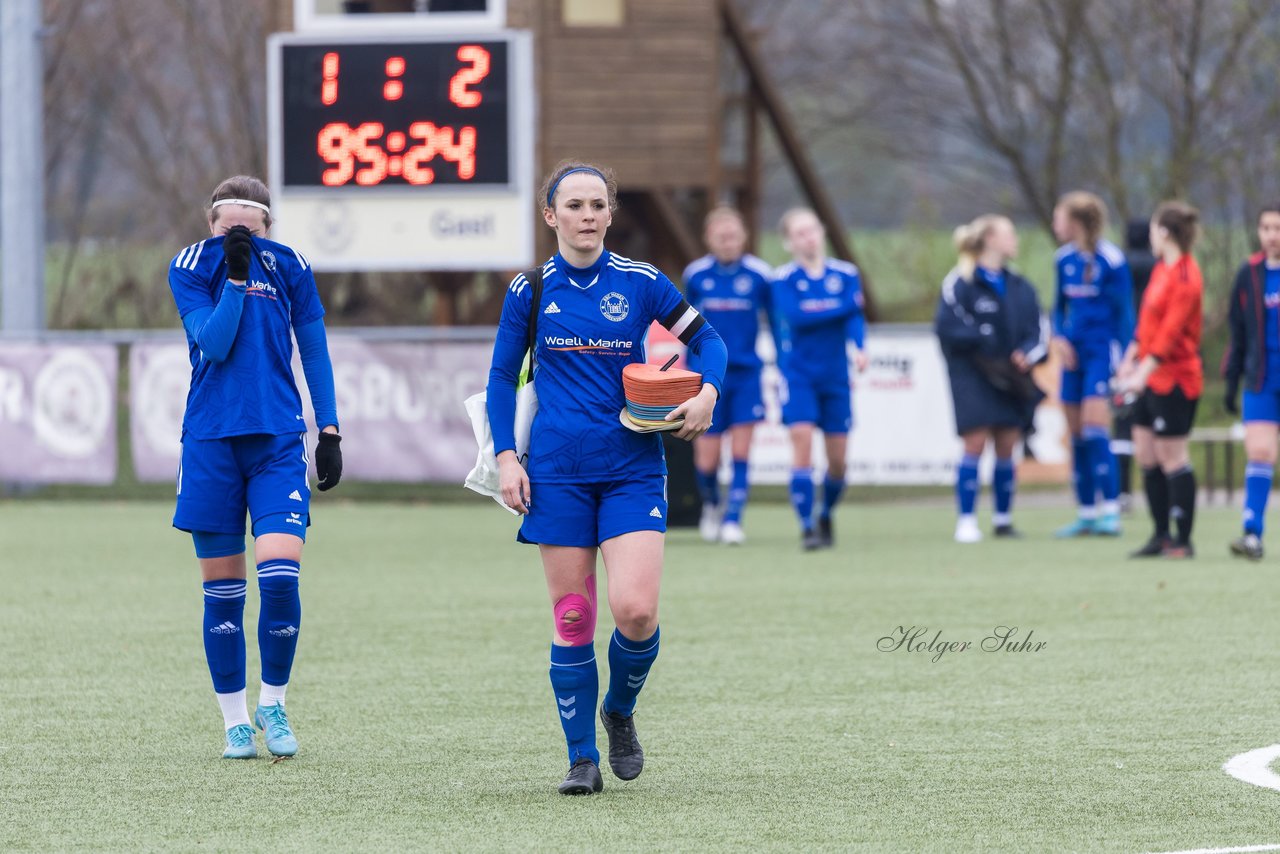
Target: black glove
237	246
329	461
1229	401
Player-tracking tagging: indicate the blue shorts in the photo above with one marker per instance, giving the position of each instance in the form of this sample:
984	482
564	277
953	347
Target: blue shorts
1261	406
828	405
1091	378
740	400
584	515
220	479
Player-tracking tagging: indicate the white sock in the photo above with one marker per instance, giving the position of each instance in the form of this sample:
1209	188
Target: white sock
1001	519
1111	508
235	710
271	694
1088	513
967	519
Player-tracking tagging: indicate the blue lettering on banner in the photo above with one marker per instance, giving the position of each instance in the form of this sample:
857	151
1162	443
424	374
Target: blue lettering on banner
445	224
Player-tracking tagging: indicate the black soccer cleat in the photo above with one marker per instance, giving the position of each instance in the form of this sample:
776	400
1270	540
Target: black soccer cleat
1154	547
1007	532
1178	550
626	757
1249	546
826	534
583	779
810	539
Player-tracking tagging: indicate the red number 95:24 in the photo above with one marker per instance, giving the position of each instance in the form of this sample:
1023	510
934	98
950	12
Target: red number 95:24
343	147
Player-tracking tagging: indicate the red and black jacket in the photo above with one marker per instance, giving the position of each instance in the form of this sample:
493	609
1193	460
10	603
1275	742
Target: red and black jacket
1246	354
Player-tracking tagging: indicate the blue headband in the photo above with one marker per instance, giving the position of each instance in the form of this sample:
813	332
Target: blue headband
551	194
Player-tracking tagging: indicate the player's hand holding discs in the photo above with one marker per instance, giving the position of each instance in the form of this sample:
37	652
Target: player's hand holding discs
238	246
696	412
329	461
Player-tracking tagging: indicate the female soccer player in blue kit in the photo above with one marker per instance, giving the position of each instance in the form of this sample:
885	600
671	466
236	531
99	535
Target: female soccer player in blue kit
1254	356
592	484
817	303
244	444
730	287
1093	322
988	323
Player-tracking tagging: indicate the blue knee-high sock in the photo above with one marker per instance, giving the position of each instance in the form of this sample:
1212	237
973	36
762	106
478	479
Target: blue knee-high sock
738	490
1106	476
629	663
1257	489
576	684
279	619
1082	476
967	485
802	495
832	489
709	488
224	633
1004	484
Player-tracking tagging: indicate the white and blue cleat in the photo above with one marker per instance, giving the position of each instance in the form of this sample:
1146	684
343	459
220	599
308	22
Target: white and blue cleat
240	743
275	726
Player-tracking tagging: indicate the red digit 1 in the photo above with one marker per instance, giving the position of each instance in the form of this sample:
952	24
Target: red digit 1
479	70
329	85
393	89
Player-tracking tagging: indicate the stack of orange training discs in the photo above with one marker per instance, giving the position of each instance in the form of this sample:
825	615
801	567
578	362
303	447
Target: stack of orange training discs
652	394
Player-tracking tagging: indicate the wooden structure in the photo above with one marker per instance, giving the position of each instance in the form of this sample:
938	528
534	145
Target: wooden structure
656	89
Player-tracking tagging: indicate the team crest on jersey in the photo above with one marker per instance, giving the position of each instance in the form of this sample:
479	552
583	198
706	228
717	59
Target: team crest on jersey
742	285
268	259
615	307
833	284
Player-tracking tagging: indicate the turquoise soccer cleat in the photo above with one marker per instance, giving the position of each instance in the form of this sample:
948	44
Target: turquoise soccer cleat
275	725
1107	525
240	743
1078	528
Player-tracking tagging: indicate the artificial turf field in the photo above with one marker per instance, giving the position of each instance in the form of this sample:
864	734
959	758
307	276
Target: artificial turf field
771	720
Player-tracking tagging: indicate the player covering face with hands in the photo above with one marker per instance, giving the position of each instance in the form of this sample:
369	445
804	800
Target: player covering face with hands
592	485
244	446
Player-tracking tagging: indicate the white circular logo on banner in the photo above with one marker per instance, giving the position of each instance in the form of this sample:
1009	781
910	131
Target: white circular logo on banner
72	404
160	399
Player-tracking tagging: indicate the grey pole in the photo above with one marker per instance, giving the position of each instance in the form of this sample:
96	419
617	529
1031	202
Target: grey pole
21	167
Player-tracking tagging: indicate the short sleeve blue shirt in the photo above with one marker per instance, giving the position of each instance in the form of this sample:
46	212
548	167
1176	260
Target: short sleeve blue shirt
731	297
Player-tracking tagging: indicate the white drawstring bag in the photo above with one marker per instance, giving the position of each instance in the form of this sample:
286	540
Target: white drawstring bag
484	476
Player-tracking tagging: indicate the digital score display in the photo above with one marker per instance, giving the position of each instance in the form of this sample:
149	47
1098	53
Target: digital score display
396	114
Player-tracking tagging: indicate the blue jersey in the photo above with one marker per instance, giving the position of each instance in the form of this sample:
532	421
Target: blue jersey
815	318
591	324
731	298
1096	312
1271	300
252	389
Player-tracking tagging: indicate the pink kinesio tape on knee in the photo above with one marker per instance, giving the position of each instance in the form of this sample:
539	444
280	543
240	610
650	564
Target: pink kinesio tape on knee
581	631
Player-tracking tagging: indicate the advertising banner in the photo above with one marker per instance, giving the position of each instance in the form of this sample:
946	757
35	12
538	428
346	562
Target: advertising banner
57	413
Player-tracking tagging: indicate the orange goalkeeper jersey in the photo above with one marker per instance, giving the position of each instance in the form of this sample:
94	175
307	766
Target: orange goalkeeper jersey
1169	327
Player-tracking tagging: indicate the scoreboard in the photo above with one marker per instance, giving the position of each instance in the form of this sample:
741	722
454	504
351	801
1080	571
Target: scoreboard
403	153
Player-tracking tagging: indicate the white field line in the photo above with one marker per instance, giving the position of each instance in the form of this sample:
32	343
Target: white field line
1253	767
